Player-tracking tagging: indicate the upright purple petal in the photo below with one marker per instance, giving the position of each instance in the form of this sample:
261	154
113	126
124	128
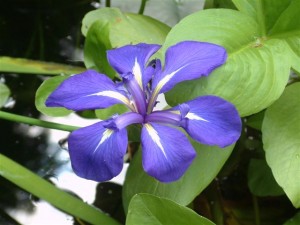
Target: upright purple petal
88	90
167	153
188	60
97	152
132	59
212	120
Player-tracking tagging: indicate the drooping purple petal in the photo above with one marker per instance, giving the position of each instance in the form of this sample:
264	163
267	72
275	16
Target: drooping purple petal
188	60
97	152
88	90
132	59
211	120
166	152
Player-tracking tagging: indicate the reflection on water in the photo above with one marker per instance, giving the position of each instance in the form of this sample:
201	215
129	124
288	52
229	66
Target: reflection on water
46	30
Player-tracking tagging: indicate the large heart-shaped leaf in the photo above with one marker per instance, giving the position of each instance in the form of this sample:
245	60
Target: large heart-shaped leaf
281	138
203	170
149	209
276	19
257	69
109	28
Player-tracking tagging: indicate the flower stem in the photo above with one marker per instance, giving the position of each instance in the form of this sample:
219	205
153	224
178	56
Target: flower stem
256	210
36	122
142	7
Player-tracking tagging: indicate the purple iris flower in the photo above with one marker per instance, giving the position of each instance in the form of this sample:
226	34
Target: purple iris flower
97	151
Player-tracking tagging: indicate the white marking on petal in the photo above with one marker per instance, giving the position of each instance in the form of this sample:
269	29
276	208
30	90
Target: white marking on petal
154	136
193	116
106	134
159	86
137	72
167	78
112	94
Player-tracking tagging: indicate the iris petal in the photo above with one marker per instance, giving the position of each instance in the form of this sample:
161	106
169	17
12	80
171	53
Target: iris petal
97	152
88	90
167	153
132	59
188	60
213	121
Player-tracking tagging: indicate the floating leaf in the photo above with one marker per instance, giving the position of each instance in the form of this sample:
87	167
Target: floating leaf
281	135
203	170
149	209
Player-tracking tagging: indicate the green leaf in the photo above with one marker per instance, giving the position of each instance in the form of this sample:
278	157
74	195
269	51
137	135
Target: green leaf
41	188
281	135
255	121
203	170
46	88
276	19
104	114
4	94
19	65
109	28
287	28
265	12
261	181
149	209
96	44
257	69
293	221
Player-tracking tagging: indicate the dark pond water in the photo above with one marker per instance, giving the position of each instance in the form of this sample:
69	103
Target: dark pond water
46	30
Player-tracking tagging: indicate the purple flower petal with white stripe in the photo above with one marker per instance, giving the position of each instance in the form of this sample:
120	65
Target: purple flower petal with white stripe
188	60
211	120
167	153
88	90
97	152
133	59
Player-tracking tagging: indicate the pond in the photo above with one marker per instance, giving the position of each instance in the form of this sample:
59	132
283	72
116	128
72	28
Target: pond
228	173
